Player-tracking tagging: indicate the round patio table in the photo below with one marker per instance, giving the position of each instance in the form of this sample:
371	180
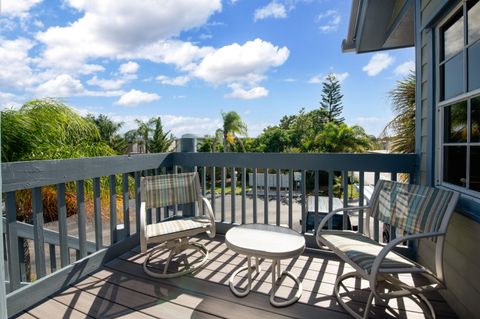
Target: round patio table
269	242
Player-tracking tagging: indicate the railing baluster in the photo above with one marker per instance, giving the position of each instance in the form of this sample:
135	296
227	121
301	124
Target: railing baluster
330	197
38	236
361	201
165	209
265	195
62	225
315	194
175	207
345	197
148	210
244	195
113	208
138	201
376	223
304	201
290	199
82	231
254	195
97	213
233	181
222	199
53	258
126	204
158	210
204	180
13	256
393	229
212	188
277	179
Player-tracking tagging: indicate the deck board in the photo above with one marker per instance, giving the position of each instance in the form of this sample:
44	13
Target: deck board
121	289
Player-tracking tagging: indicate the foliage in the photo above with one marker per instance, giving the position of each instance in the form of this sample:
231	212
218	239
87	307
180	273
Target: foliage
331	101
150	134
109	132
232	125
341	138
48	129
403	124
161	141
273	139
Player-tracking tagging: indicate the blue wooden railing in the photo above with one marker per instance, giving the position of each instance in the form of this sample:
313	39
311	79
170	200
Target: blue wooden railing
220	173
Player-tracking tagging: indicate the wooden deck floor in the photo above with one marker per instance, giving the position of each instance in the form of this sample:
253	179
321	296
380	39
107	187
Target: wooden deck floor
121	289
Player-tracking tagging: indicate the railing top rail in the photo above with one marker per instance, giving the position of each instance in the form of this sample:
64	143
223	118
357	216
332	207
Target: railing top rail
30	174
396	163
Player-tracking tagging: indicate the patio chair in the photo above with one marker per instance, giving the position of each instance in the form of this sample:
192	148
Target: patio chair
421	212
173	234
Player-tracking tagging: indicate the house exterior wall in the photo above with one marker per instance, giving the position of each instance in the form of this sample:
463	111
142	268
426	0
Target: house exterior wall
462	253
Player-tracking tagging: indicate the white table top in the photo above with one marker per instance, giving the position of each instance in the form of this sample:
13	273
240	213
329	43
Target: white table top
267	241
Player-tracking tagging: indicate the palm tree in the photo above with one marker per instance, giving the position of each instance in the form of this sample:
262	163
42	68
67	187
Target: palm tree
109	132
232	125
403	124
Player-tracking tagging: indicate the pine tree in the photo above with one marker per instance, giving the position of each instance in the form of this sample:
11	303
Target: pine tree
161	140
332	99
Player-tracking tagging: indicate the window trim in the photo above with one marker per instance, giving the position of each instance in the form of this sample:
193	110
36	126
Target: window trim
440	105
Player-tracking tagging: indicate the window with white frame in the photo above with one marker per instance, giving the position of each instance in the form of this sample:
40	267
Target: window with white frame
459	99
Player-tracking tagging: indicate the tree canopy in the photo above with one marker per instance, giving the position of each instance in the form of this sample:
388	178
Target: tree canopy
49	129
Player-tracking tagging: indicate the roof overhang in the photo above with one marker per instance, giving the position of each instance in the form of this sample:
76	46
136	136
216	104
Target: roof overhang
380	25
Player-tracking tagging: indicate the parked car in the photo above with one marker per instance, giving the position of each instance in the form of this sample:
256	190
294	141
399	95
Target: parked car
337	221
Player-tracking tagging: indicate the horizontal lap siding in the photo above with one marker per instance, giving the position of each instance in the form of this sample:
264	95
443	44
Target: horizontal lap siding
461	256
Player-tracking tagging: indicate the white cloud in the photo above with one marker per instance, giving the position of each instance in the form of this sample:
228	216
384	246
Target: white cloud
112	84
341	76
378	63
238	92
405	68
15	63
329	21
241	63
8	100
61	86
129	67
135	97
176	81
113	28
272	10
17	8
319	78
181	54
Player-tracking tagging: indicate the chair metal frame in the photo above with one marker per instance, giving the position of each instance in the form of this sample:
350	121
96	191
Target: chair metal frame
381	279
176	242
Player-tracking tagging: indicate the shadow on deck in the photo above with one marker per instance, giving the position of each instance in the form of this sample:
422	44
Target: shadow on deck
122	289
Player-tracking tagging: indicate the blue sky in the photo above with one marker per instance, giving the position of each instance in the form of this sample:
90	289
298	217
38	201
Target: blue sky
189	60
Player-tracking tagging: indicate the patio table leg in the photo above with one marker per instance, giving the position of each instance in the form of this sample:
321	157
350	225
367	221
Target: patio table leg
249	267
277	279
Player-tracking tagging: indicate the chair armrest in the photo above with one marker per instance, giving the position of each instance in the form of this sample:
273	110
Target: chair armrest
385	250
211	233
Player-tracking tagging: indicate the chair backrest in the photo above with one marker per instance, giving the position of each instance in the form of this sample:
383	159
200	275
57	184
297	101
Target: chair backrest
167	190
412	208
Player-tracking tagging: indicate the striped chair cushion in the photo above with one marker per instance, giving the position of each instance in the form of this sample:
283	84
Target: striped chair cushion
413	208
166	190
176	226
362	251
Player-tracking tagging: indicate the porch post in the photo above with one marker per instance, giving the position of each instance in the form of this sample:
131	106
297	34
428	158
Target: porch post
188	144
3	293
